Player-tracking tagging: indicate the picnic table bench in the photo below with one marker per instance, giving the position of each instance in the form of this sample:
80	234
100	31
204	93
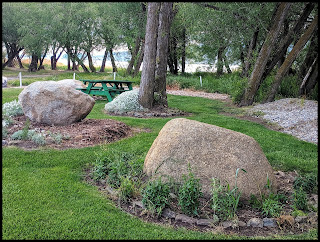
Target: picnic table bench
108	88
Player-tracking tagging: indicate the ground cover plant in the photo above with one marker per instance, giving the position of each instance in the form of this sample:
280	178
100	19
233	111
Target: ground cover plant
45	196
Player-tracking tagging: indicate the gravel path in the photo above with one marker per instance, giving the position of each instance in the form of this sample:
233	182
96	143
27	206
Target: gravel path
297	117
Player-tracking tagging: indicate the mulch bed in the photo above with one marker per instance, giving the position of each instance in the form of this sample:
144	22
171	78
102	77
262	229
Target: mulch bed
88	132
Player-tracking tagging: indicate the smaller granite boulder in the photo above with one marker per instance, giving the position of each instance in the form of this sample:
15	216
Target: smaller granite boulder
52	103
72	83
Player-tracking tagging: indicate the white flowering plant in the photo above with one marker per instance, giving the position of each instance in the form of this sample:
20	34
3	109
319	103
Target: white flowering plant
125	102
12	108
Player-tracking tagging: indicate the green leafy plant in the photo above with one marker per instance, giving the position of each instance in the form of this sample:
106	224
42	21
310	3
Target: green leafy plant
12	108
271	207
25	130
300	200
308	182
126	189
189	194
156	196
39	139
225	200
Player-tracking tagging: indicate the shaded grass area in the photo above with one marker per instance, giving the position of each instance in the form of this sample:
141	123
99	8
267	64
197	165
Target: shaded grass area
44	195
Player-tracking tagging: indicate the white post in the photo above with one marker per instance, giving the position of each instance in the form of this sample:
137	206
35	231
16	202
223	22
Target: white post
20	79
200	81
114	75
74	76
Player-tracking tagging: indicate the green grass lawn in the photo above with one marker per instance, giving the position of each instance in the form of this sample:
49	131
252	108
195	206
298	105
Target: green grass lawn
44	195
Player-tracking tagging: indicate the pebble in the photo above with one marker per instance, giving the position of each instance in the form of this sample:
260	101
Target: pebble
269	222
298	117
226	224
168	213
255	222
205	222
185	219
301	219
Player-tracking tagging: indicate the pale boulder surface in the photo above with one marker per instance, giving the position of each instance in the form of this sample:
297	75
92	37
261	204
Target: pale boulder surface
55	104
72	83
211	151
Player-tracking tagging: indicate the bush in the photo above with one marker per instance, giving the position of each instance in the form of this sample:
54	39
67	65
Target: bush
156	196
115	165
189	194
308	182
12	108
271	207
126	189
300	200
125	102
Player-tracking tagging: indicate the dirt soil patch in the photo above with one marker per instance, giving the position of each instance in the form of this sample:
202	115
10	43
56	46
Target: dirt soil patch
88	132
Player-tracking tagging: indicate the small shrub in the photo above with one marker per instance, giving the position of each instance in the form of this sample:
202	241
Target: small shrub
4	132
156	196
125	102
57	138
300	200
25	130
308	182
100	170
271	207
126	189
189	194
12	108
38	139
17	135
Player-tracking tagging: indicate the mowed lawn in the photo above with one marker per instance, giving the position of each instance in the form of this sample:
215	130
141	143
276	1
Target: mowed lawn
44	195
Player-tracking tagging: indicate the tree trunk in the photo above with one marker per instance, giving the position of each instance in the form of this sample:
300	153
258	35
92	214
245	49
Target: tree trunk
140	59
134	55
290	59
12	51
311	55
91	66
85	69
42	59
103	64
19	61
220	61
264	54
226	64
33	67
162	54
309	78
114	67
252	46
312	81
146	96
284	44
183	58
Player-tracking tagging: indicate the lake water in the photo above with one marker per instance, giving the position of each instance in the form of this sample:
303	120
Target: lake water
122	58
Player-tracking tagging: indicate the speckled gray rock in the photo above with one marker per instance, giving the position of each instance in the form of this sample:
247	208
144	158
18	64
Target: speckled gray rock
205	222
301	219
255	222
72	83
168	213
186	219
52	103
211	151
269	222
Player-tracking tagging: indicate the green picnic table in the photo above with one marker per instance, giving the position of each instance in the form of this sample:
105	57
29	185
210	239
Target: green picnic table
108	88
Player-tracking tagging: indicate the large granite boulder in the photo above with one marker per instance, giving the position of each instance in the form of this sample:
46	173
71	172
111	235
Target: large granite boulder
211	151
72	83
52	103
